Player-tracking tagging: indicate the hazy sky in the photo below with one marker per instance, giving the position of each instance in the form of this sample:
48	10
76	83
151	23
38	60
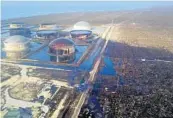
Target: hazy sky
30	8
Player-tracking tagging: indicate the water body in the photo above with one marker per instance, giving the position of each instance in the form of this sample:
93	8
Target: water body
43	55
11	9
108	68
94	105
3	54
89	62
86	65
79	53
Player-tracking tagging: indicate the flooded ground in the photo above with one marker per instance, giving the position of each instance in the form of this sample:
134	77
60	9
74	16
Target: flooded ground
33	47
88	63
108	68
44	53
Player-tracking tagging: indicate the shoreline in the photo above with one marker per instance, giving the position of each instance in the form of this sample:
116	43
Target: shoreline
146	16
70	16
88	11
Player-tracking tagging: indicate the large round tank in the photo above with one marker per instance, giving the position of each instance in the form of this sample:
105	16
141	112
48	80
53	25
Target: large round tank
81	30
17	25
81	34
16	46
62	50
82	25
48	26
19	29
46	34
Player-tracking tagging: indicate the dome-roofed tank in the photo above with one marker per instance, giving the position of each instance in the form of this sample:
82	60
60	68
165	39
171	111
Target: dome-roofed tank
82	25
62	50
81	30
17	25
48	26
46	34
16	46
80	34
19	29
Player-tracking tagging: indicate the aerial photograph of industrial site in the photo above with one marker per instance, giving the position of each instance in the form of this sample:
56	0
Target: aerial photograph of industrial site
86	59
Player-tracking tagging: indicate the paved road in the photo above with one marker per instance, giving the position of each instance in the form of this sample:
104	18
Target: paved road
28	66
60	107
93	72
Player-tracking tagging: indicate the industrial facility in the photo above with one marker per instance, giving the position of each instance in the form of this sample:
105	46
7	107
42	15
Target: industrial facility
47	32
81	31
46	42
61	50
46	35
45	74
16	46
19	29
48	26
86	60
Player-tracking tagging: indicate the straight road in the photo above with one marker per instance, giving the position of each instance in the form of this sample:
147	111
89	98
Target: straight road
106	35
60	107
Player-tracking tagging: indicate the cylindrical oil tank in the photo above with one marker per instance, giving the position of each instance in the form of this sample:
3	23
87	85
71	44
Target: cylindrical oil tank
62	50
19	29
16	46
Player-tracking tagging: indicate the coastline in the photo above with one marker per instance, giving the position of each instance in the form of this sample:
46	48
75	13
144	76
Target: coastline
157	16
64	18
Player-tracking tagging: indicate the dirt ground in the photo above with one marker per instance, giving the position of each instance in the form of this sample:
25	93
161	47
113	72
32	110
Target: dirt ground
28	93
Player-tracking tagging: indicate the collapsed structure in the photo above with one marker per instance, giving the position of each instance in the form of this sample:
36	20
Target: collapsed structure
62	50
